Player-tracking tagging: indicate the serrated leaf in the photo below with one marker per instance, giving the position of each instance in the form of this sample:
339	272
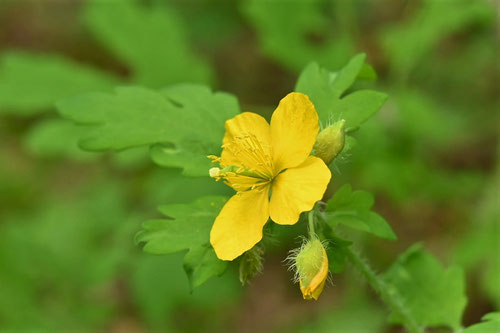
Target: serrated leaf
190	117
353	209
31	83
326	88
434	295
150	39
189	229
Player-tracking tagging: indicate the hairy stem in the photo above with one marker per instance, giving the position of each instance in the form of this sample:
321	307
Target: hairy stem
390	298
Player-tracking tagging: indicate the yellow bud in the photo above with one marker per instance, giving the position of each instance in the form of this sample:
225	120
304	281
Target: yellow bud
312	268
330	142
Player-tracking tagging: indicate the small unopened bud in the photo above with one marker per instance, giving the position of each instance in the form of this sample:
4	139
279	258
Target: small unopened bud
330	142
214	172
312	268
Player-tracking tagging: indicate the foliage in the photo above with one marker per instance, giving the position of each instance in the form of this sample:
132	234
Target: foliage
353	209
131	80
142	37
42	79
433	295
189	230
293	28
113	120
325	89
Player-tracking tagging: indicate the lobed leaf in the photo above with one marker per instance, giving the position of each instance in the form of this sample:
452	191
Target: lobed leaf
187	229
353	209
336	250
434	295
185	123
31	83
325	89
149	39
44	139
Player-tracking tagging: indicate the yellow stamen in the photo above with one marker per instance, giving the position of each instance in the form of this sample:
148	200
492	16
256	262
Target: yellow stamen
214	172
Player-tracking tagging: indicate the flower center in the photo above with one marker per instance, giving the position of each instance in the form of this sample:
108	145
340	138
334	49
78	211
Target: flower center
251	164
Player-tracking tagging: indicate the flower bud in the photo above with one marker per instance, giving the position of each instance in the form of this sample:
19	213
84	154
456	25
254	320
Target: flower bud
330	142
312	268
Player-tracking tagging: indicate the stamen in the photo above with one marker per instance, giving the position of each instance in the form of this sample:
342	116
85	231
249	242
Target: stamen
214	172
251	154
254	169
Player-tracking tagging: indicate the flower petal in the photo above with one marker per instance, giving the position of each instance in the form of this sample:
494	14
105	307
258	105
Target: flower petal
239	224
246	124
294	127
297	189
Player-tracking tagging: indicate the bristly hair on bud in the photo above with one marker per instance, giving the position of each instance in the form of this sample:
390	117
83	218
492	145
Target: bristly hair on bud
330	142
310	263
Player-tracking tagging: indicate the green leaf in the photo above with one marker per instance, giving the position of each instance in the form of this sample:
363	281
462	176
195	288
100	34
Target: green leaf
44	139
205	113
188	117
150	39
296	27
188	230
343	79
358	107
434	295
201	263
353	209
474	250
490	324
336	250
131	117
31	83
326	88
407	43
367	73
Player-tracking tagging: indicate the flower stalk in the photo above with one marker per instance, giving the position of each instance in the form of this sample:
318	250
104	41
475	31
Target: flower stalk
392	300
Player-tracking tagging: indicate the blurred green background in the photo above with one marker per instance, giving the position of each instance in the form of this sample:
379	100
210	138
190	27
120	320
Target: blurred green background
68	217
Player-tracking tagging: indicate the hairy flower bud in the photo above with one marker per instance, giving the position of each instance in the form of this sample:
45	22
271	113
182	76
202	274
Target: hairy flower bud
311	263
330	142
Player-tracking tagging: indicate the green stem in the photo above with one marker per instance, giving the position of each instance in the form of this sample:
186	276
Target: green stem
310	217
389	297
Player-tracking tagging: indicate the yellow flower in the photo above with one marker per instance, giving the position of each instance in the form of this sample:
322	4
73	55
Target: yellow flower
270	168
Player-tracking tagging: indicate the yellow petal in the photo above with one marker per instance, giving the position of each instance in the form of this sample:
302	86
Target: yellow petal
296	190
239	224
294	127
242	132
